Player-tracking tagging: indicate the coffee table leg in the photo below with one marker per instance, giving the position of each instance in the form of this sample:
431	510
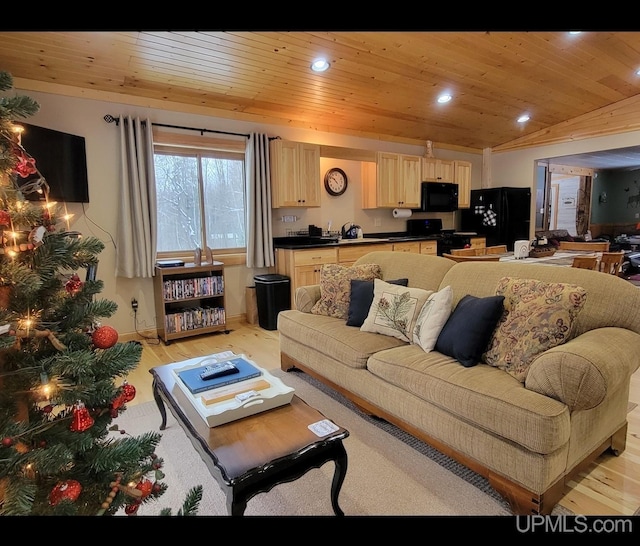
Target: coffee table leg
160	404
235	507
338	477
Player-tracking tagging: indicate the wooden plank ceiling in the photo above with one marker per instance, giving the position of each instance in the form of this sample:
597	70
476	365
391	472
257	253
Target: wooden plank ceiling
380	85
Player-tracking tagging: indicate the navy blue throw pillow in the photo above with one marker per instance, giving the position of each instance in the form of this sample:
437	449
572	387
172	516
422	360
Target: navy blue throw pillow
467	333
362	298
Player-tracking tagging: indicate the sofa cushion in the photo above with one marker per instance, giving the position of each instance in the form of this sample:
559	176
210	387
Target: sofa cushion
537	315
362	298
432	318
335	287
313	338
484	396
394	309
467	332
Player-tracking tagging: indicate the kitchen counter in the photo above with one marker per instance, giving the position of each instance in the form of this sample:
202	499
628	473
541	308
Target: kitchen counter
319	242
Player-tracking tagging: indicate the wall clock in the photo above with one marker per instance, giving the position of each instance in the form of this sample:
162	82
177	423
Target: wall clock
335	181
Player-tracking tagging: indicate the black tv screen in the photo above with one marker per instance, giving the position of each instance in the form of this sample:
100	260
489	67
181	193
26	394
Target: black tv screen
61	159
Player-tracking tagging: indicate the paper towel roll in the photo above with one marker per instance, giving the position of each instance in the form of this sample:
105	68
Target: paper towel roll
521	249
402	213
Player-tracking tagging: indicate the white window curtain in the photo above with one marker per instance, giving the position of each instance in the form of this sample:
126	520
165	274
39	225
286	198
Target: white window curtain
137	227
258	191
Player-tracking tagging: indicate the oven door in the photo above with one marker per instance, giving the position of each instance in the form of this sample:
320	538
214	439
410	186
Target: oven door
447	243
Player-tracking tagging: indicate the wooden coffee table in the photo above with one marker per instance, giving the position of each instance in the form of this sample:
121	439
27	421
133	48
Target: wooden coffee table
255	453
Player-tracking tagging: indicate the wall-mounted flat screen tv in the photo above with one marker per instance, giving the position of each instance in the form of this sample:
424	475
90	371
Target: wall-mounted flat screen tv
61	159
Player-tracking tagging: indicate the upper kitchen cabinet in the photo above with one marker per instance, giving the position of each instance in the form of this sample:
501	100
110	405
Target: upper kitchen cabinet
437	170
397	181
295	174
462	177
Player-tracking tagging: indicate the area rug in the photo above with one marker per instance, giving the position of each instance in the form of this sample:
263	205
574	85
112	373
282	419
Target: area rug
389	472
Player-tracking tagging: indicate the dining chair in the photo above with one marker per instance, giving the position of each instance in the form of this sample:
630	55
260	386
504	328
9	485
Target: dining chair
464	251
589	246
585	262
480	258
611	262
496	249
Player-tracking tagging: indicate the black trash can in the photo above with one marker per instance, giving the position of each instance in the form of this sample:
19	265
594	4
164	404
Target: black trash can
273	294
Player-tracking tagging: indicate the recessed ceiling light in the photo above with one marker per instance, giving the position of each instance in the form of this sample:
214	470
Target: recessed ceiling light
523	118
319	65
445	97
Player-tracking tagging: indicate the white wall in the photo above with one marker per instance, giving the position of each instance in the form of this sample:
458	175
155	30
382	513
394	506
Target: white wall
518	168
99	218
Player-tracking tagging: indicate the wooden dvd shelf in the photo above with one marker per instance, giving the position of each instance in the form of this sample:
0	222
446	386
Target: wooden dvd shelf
189	300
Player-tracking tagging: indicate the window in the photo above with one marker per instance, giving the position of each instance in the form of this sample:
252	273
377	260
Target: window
200	199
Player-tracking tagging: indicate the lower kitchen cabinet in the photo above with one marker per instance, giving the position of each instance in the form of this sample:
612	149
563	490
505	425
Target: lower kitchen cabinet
429	247
413	246
303	266
347	255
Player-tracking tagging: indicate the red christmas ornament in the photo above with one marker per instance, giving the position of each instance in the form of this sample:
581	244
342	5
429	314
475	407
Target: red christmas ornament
131	509
104	337
145	486
73	284
129	392
5	218
67	490
26	165
117	403
81	420
7	442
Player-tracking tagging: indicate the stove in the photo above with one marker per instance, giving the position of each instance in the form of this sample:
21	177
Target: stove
447	239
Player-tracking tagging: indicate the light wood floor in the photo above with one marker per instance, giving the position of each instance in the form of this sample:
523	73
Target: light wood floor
611	486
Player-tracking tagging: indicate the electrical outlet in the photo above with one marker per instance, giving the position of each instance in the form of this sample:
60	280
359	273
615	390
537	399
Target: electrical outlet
377	222
637	214
134	304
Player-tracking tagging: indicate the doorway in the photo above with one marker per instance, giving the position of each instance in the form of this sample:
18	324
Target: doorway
563	199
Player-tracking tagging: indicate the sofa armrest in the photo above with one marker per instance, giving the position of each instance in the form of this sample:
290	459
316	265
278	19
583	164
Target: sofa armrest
583	371
306	297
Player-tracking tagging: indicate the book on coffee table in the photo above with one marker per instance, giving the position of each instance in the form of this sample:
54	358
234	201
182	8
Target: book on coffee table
193	380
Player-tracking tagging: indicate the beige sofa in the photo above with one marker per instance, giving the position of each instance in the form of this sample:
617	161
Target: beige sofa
526	438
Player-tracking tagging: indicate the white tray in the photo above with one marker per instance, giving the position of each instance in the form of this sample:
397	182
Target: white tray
242	399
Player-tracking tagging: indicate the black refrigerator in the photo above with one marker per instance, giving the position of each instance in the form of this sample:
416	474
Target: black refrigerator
502	215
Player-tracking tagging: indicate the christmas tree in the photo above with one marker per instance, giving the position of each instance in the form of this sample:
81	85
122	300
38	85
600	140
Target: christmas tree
62	374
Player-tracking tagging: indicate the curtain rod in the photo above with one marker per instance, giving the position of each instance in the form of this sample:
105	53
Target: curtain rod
110	119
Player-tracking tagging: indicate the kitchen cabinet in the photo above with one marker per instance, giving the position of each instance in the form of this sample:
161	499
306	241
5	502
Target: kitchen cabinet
412	246
303	266
429	247
295	174
394	183
189	300
462	177
349	253
437	170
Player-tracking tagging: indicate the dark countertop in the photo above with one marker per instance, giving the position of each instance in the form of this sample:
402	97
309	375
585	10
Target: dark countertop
372	239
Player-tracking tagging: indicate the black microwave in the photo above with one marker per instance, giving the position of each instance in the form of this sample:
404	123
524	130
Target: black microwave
438	197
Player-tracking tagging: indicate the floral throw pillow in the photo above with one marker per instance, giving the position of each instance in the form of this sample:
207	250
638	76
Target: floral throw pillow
335	287
394	309
537	316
